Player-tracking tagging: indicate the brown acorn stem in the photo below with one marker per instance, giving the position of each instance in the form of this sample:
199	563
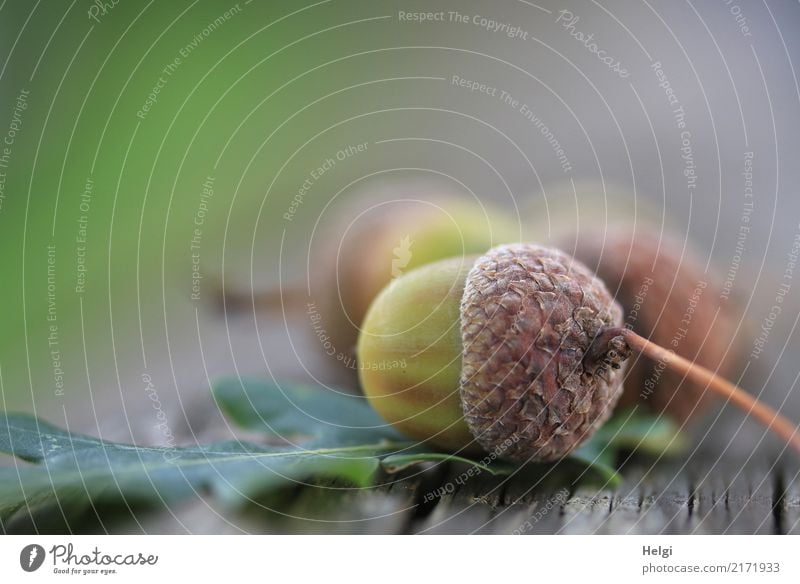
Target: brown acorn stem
288	297
750	405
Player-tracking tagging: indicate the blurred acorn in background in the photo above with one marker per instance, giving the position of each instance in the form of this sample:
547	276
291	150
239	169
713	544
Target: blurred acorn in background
387	239
365	243
669	298
663	287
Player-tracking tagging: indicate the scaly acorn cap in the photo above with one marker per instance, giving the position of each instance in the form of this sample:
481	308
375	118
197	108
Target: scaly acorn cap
501	352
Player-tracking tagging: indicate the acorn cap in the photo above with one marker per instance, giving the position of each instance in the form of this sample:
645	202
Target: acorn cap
498	352
528	317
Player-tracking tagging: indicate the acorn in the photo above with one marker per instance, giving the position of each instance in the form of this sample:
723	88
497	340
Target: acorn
519	352
669	298
495	353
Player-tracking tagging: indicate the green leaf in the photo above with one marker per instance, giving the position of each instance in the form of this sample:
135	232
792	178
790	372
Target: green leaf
643	433
320	436
597	458
317	415
310	434
397	462
74	466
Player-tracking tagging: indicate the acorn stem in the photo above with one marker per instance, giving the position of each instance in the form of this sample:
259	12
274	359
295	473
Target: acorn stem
238	300
750	405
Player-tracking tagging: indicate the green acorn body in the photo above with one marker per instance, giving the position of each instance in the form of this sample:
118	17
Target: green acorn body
494	353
